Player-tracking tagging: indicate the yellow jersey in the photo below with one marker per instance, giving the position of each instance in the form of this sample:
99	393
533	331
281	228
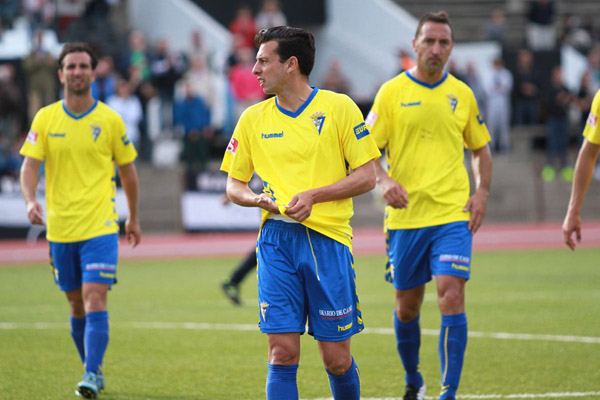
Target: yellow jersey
424	129
592	129
296	151
80	152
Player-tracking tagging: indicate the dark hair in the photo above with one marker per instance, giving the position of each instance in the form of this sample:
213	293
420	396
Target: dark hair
290	42
440	16
77	47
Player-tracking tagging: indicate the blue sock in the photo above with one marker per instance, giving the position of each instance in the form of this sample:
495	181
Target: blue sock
96	339
347	386
408	342
452	345
77	332
281	382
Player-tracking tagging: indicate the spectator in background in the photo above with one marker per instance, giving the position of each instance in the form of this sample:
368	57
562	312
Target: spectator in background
201	79
452	68
498	86
138	55
105	84
270	15
130	109
526	91
9	10
244	85
541	34
335	80
474	81
405	59
496	29
40	75
10	108
192	119
557	134
166	68
244	25
197	50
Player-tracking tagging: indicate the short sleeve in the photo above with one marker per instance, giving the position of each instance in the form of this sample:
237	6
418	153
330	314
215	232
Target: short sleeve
476	134
123	148
592	129
34	145
357	141
378	119
237	161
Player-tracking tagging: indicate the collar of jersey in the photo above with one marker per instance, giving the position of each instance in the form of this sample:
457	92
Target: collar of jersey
302	107
427	85
75	116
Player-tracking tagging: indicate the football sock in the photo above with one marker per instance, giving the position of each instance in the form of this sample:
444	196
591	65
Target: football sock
96	339
452	345
77	333
347	386
408	341
281	382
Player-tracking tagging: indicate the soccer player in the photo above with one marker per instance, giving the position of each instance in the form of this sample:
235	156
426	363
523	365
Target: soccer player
80	139
584	169
313	152
423	119
231	287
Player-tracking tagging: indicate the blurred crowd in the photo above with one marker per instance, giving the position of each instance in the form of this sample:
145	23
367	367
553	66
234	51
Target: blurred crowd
176	99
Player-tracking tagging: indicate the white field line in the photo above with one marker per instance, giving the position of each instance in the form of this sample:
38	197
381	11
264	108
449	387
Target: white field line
207	326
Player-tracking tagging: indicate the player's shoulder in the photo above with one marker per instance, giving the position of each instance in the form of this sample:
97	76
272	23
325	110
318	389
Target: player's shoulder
107	111
50	109
257	110
395	83
334	99
458	84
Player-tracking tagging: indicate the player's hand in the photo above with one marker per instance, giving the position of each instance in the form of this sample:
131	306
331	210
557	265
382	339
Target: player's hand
133	232
393	193
264	201
300	206
572	224
477	204
35	213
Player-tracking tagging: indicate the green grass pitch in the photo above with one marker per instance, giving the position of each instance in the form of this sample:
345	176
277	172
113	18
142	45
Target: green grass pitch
153	355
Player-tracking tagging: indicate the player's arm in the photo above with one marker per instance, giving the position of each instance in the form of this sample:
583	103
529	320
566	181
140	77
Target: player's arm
393	193
481	163
129	181
29	180
240	193
358	182
584	169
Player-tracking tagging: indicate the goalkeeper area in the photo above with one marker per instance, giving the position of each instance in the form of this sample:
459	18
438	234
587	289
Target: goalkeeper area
534	331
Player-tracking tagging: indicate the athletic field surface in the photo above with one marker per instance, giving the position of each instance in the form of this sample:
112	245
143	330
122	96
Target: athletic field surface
533	308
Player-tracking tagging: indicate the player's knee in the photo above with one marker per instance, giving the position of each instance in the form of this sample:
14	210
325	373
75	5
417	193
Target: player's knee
338	365
283	355
407	313
77	308
452	300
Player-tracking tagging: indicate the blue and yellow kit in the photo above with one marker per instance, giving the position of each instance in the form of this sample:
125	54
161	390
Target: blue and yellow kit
592	129
293	152
424	129
80	152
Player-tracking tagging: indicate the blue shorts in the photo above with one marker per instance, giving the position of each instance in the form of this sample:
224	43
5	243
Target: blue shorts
304	275
415	255
92	260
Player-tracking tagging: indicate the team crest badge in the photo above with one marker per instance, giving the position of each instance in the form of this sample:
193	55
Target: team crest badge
453	101
96	129
263	310
318	119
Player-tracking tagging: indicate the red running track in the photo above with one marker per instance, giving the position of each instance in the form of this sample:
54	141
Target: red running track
367	241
